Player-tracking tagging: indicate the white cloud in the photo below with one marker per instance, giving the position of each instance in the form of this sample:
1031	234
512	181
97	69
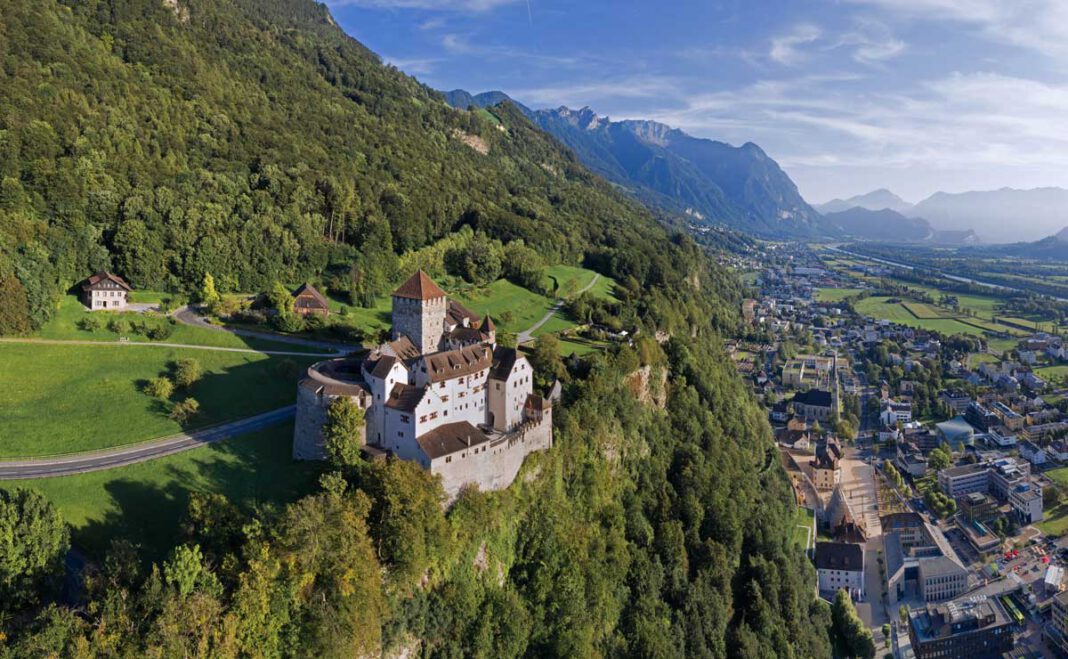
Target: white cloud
786	49
437	5
1036	25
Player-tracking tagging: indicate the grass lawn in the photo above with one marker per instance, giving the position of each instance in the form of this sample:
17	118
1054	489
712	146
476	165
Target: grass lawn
976	358
512	307
580	346
835	294
803	528
1056	519
1058	372
64	326
880	308
924	310
145	502
70	398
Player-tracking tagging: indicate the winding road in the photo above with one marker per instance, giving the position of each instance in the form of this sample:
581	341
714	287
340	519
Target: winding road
80	463
528	334
187	315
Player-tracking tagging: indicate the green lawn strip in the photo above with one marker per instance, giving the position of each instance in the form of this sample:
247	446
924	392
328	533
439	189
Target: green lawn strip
1057	372
835	294
145	502
64	399
64	327
880	307
976	358
992	327
580	346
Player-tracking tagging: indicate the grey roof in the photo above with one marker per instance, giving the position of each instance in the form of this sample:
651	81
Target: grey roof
839	556
816	397
450	438
405	397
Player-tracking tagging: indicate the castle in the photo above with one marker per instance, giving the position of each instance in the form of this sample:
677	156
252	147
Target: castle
441	393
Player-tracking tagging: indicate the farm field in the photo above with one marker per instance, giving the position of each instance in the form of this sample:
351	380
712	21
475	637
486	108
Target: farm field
880	308
70	398
835	294
146	502
922	310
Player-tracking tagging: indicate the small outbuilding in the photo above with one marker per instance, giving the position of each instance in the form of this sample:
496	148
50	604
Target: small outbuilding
308	302
105	290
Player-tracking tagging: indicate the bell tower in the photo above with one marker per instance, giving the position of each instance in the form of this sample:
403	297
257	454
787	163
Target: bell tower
419	307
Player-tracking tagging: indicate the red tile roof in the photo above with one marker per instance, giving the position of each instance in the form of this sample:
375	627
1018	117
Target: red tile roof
419	287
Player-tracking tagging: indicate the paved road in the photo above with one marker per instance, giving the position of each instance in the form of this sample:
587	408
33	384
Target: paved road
162	344
188	316
79	463
528	334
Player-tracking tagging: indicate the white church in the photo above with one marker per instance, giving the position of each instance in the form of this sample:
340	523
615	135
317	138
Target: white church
441	393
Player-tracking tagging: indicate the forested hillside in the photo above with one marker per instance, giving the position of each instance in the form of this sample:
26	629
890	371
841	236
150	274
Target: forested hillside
251	139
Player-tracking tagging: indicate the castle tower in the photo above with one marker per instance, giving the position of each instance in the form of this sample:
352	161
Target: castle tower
489	329
419	307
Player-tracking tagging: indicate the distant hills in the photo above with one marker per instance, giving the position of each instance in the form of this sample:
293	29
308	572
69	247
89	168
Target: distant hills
875	200
993	216
999	216
887	225
713	182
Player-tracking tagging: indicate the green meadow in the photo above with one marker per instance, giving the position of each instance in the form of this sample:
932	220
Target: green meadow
70	398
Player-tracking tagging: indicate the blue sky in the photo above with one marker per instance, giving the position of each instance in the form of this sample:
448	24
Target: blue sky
848	95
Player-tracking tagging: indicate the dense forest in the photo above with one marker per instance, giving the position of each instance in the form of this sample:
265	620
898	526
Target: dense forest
252	140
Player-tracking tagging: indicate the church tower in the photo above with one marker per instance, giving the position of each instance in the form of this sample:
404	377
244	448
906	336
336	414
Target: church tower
419	307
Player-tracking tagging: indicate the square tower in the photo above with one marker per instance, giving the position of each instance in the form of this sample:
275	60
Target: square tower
419	307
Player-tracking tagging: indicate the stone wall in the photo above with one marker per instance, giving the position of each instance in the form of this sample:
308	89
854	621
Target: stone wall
308	426
497	467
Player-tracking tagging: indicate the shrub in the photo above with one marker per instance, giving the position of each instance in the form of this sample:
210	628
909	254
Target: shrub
187	371
119	326
160	387
288	322
185	410
89	324
161	331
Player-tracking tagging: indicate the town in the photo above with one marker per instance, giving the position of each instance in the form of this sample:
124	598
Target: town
929	470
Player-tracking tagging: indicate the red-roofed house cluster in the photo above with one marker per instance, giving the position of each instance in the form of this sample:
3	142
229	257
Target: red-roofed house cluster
441	393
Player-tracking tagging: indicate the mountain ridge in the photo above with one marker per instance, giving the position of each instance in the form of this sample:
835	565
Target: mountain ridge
711	181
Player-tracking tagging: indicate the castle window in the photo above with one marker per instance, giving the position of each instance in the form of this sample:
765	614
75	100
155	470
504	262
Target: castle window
422	419
405	418
400	433
448	458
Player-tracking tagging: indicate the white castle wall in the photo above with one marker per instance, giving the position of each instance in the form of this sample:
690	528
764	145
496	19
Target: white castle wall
496	464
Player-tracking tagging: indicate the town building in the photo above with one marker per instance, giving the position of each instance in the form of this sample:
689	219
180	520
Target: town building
815	404
955	433
970	627
961	480
826	467
920	562
105	291
1026	502
894	412
442	393
1032	452
309	302
956	399
1056	630
840	565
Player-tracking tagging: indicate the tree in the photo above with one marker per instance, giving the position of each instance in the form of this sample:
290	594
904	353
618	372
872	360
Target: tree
33	543
851	637
186	571
185	410
280	299
939	459
546	361
14	306
344	431
187	371
209	297
1051	497
160	387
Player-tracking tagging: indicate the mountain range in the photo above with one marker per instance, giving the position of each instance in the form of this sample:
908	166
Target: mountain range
876	200
713	182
